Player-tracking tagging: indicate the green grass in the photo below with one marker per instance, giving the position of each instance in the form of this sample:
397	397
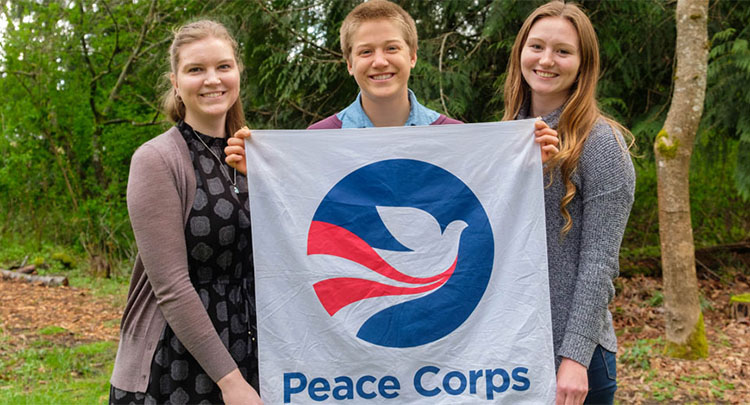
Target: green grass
52	330
46	373
46	370
638	353
657	299
664	390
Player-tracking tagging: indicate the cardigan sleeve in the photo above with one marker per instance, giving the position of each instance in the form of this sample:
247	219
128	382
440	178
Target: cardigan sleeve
607	188
156	214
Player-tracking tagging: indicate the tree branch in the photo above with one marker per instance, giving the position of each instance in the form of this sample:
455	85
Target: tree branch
440	69
476	47
152	46
299	108
90	65
19	73
296	34
85	46
117	36
23	84
126	68
147	102
133	123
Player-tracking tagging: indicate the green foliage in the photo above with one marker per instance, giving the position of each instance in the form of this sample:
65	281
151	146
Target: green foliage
48	373
715	220
52	330
727	102
664	390
81	82
77	78
639	353
65	259
657	299
719	387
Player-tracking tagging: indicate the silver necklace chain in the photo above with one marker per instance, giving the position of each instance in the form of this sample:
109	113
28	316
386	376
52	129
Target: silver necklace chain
221	165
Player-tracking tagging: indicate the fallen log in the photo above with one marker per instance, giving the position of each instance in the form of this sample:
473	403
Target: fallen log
707	259
30	269
49	281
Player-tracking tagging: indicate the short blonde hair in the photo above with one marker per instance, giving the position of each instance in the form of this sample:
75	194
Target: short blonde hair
376	10
195	31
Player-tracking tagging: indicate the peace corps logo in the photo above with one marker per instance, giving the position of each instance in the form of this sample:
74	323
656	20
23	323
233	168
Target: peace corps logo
421	233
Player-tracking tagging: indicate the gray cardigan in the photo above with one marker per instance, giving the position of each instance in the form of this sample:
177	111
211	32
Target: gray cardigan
161	188
583	263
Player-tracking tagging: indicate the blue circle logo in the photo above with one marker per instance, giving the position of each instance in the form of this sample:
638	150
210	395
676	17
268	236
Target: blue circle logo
422	230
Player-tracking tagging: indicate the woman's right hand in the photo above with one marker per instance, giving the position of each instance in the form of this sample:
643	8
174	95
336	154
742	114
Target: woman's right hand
236	391
235	150
572	383
547	138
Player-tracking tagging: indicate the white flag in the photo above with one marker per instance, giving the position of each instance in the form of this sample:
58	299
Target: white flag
401	265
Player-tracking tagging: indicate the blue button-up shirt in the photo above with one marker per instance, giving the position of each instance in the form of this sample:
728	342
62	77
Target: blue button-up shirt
354	116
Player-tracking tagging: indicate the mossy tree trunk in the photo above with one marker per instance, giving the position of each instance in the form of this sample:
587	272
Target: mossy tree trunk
673	147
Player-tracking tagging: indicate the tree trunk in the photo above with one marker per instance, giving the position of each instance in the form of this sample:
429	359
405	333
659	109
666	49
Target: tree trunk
673	147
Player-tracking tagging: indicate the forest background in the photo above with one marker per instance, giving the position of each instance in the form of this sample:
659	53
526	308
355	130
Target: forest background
81	82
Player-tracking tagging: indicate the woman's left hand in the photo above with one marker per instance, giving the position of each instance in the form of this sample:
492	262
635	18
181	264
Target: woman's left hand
547	138
572	383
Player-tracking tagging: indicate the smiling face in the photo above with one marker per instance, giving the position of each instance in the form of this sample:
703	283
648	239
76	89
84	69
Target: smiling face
550	59
381	61
207	80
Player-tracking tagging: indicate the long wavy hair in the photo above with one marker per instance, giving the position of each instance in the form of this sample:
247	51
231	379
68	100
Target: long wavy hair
172	105
580	111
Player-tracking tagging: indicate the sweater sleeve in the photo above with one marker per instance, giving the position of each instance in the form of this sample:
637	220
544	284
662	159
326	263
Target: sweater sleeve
156	214
607	188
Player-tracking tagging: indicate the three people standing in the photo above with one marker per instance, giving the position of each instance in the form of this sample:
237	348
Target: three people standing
188	332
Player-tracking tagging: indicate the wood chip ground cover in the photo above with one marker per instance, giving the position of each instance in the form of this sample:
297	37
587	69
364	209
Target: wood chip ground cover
70	316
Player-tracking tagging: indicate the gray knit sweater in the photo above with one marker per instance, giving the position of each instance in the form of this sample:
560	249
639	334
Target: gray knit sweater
583	263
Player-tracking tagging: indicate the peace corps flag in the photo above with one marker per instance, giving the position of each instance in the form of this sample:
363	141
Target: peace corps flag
401	265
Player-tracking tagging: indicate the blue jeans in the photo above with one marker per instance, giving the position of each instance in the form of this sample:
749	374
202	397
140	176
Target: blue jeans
602	377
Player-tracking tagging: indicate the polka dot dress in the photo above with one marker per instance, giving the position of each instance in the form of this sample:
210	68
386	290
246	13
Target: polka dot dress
220	266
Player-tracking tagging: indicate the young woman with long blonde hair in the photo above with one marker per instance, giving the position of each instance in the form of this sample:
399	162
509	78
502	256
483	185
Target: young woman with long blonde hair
553	73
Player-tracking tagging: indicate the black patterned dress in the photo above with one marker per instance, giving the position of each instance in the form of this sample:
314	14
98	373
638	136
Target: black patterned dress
221	270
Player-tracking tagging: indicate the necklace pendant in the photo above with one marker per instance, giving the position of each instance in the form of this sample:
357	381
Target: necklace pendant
236	190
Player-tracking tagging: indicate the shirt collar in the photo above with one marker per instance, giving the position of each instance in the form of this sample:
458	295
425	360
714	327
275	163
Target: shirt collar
354	116
552	119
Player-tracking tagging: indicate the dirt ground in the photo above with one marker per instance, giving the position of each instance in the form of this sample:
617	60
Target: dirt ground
724	377
644	375
26	308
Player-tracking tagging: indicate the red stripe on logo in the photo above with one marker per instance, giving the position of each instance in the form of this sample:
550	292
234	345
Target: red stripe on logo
329	239
336	293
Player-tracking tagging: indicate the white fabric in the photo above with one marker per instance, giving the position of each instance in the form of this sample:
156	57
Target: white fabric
401	265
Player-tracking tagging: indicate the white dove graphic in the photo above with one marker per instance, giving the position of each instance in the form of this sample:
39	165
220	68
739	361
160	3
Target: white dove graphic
432	251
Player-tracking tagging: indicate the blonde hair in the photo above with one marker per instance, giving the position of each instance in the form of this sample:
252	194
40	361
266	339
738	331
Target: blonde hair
580	112
172	105
375	10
